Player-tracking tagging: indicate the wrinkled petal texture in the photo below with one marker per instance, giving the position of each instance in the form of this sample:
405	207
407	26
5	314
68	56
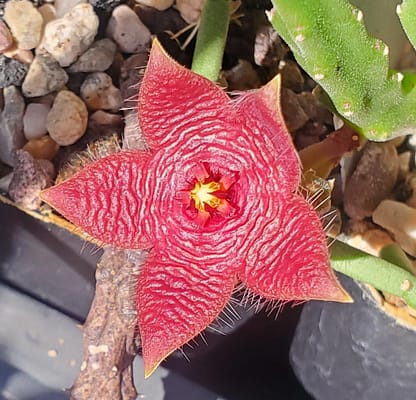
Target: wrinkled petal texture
106	199
289	260
225	240
196	122
173	100
260	116
176	302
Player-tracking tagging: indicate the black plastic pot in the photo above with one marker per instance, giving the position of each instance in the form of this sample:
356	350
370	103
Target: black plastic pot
46	287
354	351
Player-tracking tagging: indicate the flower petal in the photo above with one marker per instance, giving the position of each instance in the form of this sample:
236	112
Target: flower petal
173	99
106	199
175	302
290	260
260	114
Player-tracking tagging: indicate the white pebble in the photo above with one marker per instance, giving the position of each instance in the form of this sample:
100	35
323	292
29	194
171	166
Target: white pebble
126	29
190	10
34	120
25	23
400	220
68	37
64	6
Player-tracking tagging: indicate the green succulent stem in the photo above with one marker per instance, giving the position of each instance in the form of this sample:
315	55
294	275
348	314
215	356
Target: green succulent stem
394	254
407	15
211	38
329	40
375	271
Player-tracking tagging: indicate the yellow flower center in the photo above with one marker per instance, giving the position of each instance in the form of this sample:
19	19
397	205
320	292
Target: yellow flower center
202	194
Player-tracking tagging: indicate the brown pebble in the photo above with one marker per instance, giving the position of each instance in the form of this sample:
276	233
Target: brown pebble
42	148
372	180
314	109
268	47
6	38
242	76
24	56
67	120
371	241
292	78
294	115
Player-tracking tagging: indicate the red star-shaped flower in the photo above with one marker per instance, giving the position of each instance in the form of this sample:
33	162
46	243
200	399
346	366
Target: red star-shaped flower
215	200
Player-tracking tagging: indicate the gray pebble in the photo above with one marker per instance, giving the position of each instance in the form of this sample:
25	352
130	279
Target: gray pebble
126	29
30	176
99	93
372	180
34	120
11	125
45	76
105	5
5	182
97	58
131	75
12	72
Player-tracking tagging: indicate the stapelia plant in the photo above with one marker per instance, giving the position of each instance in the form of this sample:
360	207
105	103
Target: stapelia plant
330	42
214	199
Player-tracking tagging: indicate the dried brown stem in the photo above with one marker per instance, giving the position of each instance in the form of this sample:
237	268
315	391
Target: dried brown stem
110	334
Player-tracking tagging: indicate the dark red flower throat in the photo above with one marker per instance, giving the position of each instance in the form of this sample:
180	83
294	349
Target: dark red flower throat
210	195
